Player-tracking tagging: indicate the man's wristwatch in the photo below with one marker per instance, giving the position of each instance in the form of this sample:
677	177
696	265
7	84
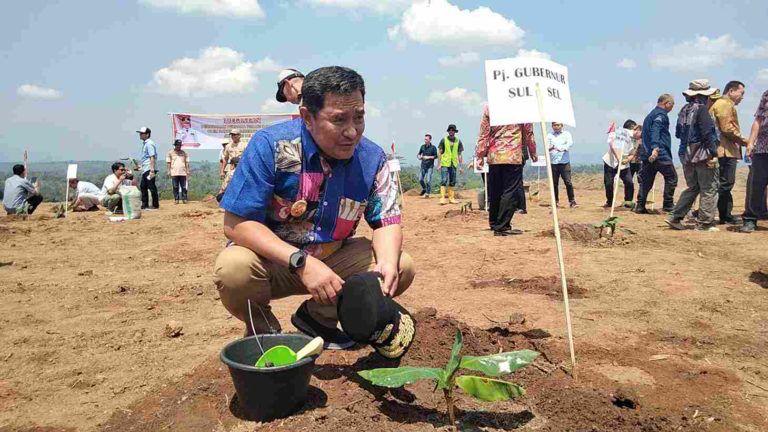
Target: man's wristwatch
297	261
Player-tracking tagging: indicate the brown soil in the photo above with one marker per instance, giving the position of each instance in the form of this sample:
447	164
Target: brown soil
340	400
549	286
673	324
590	235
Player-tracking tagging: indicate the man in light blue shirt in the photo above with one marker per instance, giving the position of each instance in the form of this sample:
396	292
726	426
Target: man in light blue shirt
148	170
20	192
559	143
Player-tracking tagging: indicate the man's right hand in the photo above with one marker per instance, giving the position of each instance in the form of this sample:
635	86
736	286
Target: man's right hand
321	281
654	155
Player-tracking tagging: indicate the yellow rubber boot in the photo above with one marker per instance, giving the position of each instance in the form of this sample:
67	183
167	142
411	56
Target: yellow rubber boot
442	196
451	196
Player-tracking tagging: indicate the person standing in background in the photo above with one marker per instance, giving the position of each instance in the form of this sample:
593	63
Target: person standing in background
231	155
698	154
757	182
634	159
177	162
449	153
657	155
503	146
729	150
148	170
559	143
427	155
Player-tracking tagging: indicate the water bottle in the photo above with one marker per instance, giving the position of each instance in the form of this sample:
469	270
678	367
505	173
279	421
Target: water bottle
747	160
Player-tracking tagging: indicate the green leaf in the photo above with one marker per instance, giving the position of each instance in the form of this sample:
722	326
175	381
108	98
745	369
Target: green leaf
453	363
489	390
499	364
398	377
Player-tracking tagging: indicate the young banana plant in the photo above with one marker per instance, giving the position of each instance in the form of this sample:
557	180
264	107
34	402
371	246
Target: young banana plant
482	388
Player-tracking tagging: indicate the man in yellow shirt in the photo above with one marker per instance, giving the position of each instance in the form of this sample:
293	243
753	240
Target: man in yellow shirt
729	148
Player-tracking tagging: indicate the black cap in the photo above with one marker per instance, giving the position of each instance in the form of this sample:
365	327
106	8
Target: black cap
282	77
452	127
368	317
178	141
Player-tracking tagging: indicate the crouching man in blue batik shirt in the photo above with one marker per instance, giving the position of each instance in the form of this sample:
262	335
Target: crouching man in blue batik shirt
294	203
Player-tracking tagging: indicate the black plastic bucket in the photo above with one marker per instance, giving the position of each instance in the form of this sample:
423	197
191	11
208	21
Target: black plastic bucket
268	393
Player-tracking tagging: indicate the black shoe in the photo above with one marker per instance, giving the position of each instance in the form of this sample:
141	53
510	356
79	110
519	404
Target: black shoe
748	227
730	221
422	193
334	339
640	210
573	204
667	209
508	232
523	211
607	205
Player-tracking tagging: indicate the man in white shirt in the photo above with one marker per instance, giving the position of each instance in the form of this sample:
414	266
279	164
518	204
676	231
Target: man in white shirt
87	195
110	191
559	143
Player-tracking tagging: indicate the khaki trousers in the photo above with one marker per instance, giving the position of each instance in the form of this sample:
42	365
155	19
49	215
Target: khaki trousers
240	274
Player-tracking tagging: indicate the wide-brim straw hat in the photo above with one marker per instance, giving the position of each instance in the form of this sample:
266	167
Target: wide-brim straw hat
700	87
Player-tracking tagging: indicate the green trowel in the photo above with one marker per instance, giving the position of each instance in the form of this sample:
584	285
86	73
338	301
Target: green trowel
281	355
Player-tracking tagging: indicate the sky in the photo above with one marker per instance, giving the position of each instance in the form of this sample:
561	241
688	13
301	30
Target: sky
79	77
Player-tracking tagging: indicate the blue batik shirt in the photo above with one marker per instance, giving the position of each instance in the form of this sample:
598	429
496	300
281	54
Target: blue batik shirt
282	165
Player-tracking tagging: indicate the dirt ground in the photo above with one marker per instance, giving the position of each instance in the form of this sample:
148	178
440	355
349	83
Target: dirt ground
670	327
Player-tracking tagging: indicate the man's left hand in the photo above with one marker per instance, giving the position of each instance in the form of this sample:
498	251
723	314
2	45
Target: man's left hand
534	158
391	277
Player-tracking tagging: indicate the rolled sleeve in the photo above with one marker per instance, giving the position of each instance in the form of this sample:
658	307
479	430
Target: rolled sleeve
249	194
383	209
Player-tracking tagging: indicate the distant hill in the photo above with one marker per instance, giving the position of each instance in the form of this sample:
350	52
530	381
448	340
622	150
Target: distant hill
205	177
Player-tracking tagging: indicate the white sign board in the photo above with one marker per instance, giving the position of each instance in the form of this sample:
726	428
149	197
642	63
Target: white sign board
484	169
394	165
511	85
71	171
208	131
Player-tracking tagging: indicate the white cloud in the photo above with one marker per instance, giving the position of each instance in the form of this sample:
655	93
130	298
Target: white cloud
217	70
36	92
703	52
378	6
371	110
533	54
468	100
440	23
626	63
271	106
227	8
461	59
762	76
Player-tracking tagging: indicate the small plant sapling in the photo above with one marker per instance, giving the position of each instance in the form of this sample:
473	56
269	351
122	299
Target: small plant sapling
446	379
611	223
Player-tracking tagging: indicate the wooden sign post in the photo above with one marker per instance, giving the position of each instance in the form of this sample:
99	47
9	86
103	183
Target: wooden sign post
534	90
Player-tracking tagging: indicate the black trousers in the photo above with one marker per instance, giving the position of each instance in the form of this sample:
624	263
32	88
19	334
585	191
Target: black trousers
727	180
562	171
505	195
179	182
648	175
148	186
609	174
757	182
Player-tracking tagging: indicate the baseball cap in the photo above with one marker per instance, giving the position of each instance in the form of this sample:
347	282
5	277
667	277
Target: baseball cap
144	129
177	142
234	132
369	317
284	75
